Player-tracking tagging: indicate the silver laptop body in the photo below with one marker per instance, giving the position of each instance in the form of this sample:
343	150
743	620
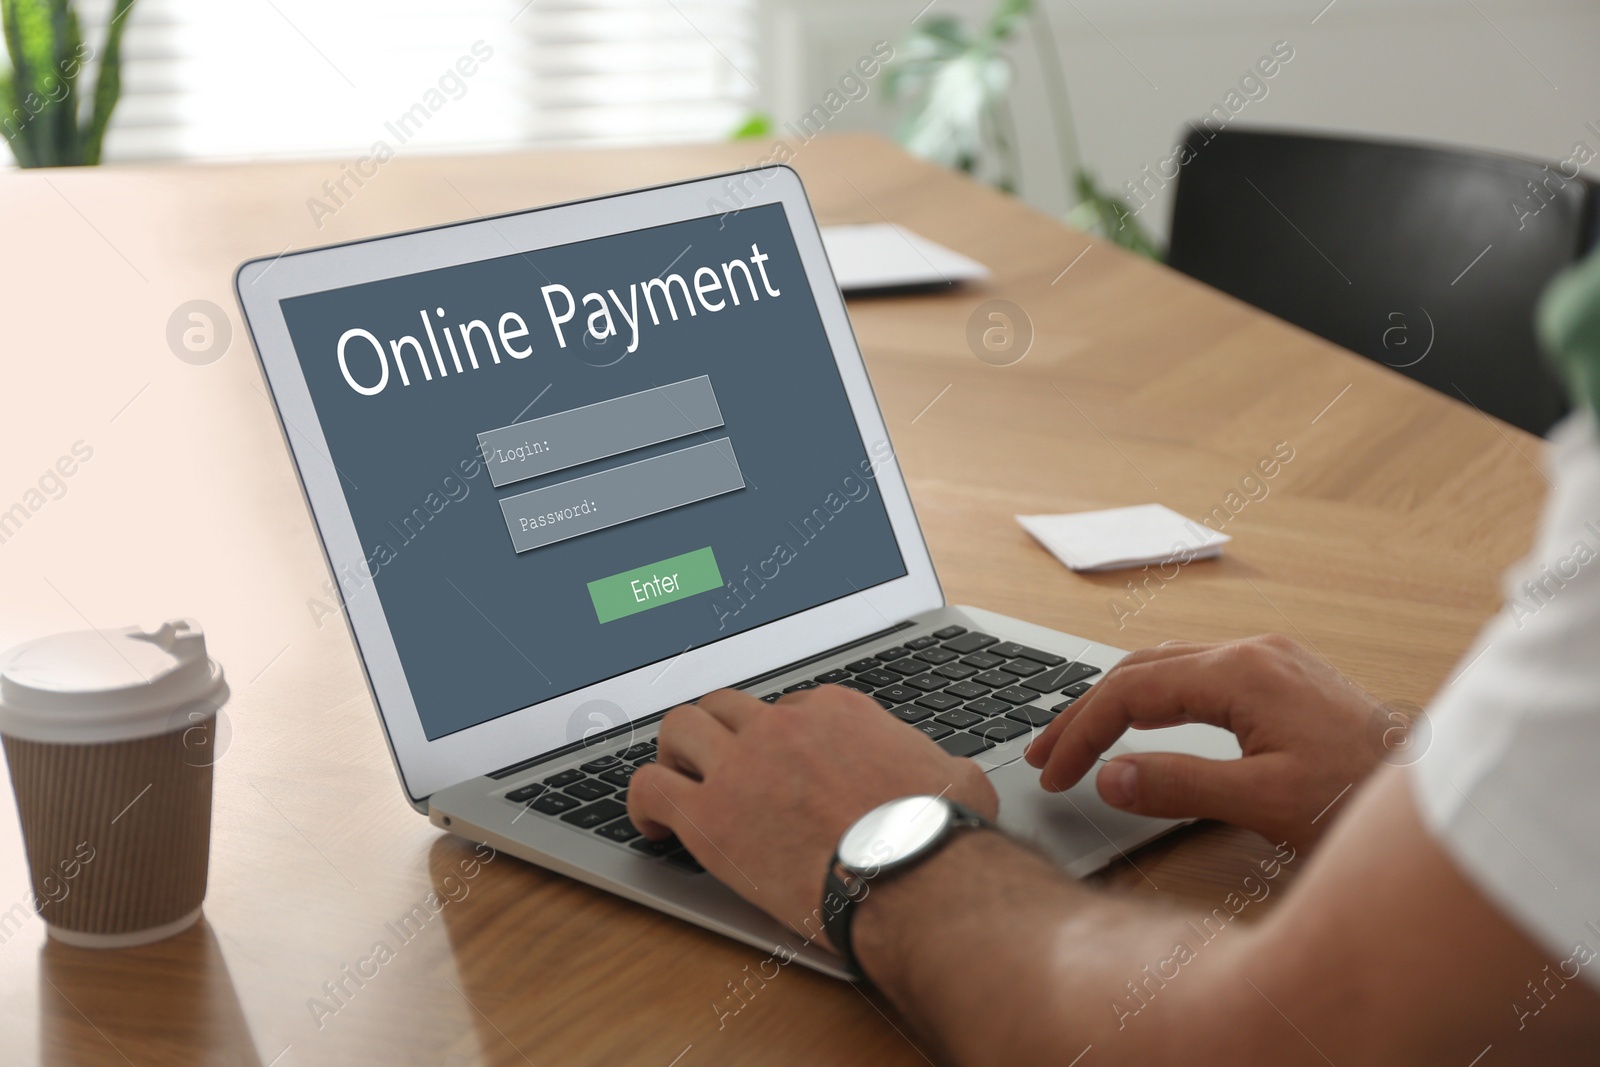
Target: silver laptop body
503	376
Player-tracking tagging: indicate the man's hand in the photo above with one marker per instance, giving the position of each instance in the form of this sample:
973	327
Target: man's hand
1303	728
761	793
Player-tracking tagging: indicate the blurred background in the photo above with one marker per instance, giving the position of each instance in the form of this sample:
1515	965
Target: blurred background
296	78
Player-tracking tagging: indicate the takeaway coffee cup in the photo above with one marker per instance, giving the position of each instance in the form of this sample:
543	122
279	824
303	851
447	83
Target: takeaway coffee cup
101	728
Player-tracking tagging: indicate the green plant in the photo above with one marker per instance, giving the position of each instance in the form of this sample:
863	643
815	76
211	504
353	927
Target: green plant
957	86
1099	212
44	121
757	125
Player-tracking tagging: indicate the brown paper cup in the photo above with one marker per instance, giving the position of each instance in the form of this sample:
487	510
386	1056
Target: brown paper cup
102	731
118	835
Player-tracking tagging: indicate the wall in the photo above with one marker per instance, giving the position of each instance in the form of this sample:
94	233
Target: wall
1511	75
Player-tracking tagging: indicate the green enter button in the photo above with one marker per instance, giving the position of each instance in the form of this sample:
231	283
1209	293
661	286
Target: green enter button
645	587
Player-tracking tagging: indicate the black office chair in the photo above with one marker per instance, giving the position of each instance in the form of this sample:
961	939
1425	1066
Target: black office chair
1429	260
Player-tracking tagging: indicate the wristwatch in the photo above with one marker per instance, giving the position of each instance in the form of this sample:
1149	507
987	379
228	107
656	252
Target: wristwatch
890	837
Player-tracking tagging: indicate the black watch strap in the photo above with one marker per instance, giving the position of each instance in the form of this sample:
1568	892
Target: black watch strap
842	888
840	891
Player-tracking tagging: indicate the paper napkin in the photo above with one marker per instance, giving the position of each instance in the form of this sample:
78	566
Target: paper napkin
1123	537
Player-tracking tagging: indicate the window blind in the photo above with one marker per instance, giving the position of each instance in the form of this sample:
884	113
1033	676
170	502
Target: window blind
203	79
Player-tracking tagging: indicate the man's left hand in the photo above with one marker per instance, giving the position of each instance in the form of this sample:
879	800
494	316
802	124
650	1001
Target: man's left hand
761	793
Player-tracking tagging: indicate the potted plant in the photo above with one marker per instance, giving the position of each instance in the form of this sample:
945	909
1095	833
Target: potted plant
47	120
958	83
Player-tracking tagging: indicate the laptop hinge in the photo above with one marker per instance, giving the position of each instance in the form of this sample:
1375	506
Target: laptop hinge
633	724
820	656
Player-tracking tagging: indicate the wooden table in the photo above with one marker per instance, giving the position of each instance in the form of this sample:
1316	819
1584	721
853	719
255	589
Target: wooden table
1378	544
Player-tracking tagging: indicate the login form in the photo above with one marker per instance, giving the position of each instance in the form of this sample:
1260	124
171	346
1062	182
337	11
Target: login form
570	463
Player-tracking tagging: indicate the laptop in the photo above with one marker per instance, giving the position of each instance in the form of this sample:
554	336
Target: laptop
576	465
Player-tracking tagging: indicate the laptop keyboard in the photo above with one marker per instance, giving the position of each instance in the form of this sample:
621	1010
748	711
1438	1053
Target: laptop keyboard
966	690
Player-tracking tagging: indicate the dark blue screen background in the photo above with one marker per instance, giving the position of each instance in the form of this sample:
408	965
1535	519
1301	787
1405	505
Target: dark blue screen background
482	630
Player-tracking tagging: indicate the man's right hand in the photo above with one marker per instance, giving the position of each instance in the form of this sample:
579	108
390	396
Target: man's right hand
1305	731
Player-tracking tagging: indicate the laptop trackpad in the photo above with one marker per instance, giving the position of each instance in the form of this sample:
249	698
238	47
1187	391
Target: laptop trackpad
1077	829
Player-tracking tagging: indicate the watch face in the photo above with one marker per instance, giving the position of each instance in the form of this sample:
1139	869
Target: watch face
893	833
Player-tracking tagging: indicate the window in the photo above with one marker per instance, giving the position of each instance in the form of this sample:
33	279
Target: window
334	77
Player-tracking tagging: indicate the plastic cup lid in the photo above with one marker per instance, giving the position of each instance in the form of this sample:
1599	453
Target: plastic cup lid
108	685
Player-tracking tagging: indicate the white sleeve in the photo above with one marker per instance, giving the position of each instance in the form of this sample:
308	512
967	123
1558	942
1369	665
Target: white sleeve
1510	781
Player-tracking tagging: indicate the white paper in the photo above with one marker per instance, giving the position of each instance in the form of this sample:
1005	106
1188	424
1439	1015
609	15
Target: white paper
1119	538
883	256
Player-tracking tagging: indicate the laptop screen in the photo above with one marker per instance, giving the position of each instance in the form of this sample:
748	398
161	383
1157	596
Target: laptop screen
570	463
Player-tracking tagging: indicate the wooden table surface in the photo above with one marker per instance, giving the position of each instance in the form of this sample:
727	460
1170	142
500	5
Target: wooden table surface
1378	544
